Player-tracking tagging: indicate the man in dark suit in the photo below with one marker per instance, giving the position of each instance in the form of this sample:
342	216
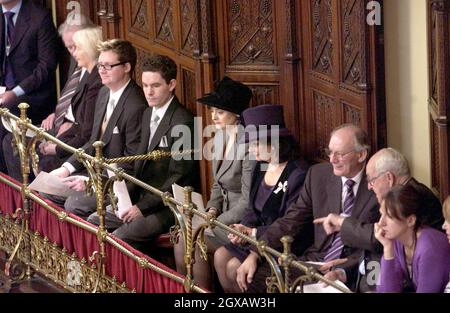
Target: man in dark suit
28	53
338	187
28	47
162	123
72	95
385	169
117	119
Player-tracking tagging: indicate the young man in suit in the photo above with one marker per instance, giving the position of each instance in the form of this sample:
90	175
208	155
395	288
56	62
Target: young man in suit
28	47
338	187
117	119
148	217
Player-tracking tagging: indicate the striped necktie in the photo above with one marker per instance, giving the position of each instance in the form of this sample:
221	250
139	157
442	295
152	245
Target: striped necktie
335	250
9	79
66	97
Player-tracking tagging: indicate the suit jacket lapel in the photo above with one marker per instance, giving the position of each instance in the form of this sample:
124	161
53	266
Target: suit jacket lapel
362	197
229	158
145	135
116	114
334	193
96	128
163	126
79	91
21	26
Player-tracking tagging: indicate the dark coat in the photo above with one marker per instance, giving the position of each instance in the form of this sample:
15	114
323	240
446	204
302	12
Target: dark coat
83	108
33	56
320	196
280	199
123	132
163	173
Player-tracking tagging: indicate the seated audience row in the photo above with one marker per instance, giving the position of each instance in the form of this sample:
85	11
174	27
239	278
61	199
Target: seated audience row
261	185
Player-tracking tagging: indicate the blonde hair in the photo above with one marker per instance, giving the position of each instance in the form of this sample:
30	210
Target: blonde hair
446	209
88	39
123	48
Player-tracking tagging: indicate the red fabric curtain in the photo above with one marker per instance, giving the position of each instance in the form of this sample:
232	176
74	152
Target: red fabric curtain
84	243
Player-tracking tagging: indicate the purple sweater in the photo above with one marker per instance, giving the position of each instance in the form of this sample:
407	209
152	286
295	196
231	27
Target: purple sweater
430	266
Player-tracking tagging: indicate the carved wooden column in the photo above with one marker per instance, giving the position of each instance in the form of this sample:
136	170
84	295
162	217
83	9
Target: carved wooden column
290	83
109	18
439	101
206	73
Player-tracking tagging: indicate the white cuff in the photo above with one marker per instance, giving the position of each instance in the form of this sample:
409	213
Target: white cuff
254	230
69	167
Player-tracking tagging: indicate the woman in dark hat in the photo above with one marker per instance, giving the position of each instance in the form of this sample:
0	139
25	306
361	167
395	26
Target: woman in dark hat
231	171
276	182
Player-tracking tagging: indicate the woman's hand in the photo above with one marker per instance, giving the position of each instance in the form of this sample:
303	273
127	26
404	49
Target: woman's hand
387	243
243	229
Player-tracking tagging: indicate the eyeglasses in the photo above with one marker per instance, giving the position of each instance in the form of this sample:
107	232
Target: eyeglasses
339	155
372	180
109	67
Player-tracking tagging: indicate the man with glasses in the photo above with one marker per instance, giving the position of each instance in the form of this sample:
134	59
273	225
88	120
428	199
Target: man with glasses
117	122
385	169
337	187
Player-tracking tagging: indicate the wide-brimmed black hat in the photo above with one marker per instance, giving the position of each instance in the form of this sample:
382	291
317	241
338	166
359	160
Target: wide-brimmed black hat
229	95
264	121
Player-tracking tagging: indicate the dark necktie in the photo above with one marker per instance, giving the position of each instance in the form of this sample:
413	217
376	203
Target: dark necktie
335	250
66	97
9	78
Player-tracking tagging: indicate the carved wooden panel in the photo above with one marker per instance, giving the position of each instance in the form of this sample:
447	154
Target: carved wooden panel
322	42
336	70
314	57
189	98
141	55
251	32
435	156
139	18
353	49
324	117
189	26
439	84
352	114
264	94
164	24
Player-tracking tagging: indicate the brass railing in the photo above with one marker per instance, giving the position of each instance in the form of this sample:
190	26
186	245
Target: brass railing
95	165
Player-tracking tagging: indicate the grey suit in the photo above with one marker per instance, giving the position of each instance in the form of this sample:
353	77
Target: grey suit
231	187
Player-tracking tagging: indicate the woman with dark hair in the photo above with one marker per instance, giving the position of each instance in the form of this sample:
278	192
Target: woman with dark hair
416	258
276	182
231	169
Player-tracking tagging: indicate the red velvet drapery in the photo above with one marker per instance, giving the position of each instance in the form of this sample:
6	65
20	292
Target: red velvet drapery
83	243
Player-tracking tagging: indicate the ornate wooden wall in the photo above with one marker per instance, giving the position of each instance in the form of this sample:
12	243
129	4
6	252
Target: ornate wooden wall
317	58
343	72
439	102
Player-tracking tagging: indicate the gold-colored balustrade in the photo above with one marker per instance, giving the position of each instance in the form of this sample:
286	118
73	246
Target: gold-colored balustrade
40	255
